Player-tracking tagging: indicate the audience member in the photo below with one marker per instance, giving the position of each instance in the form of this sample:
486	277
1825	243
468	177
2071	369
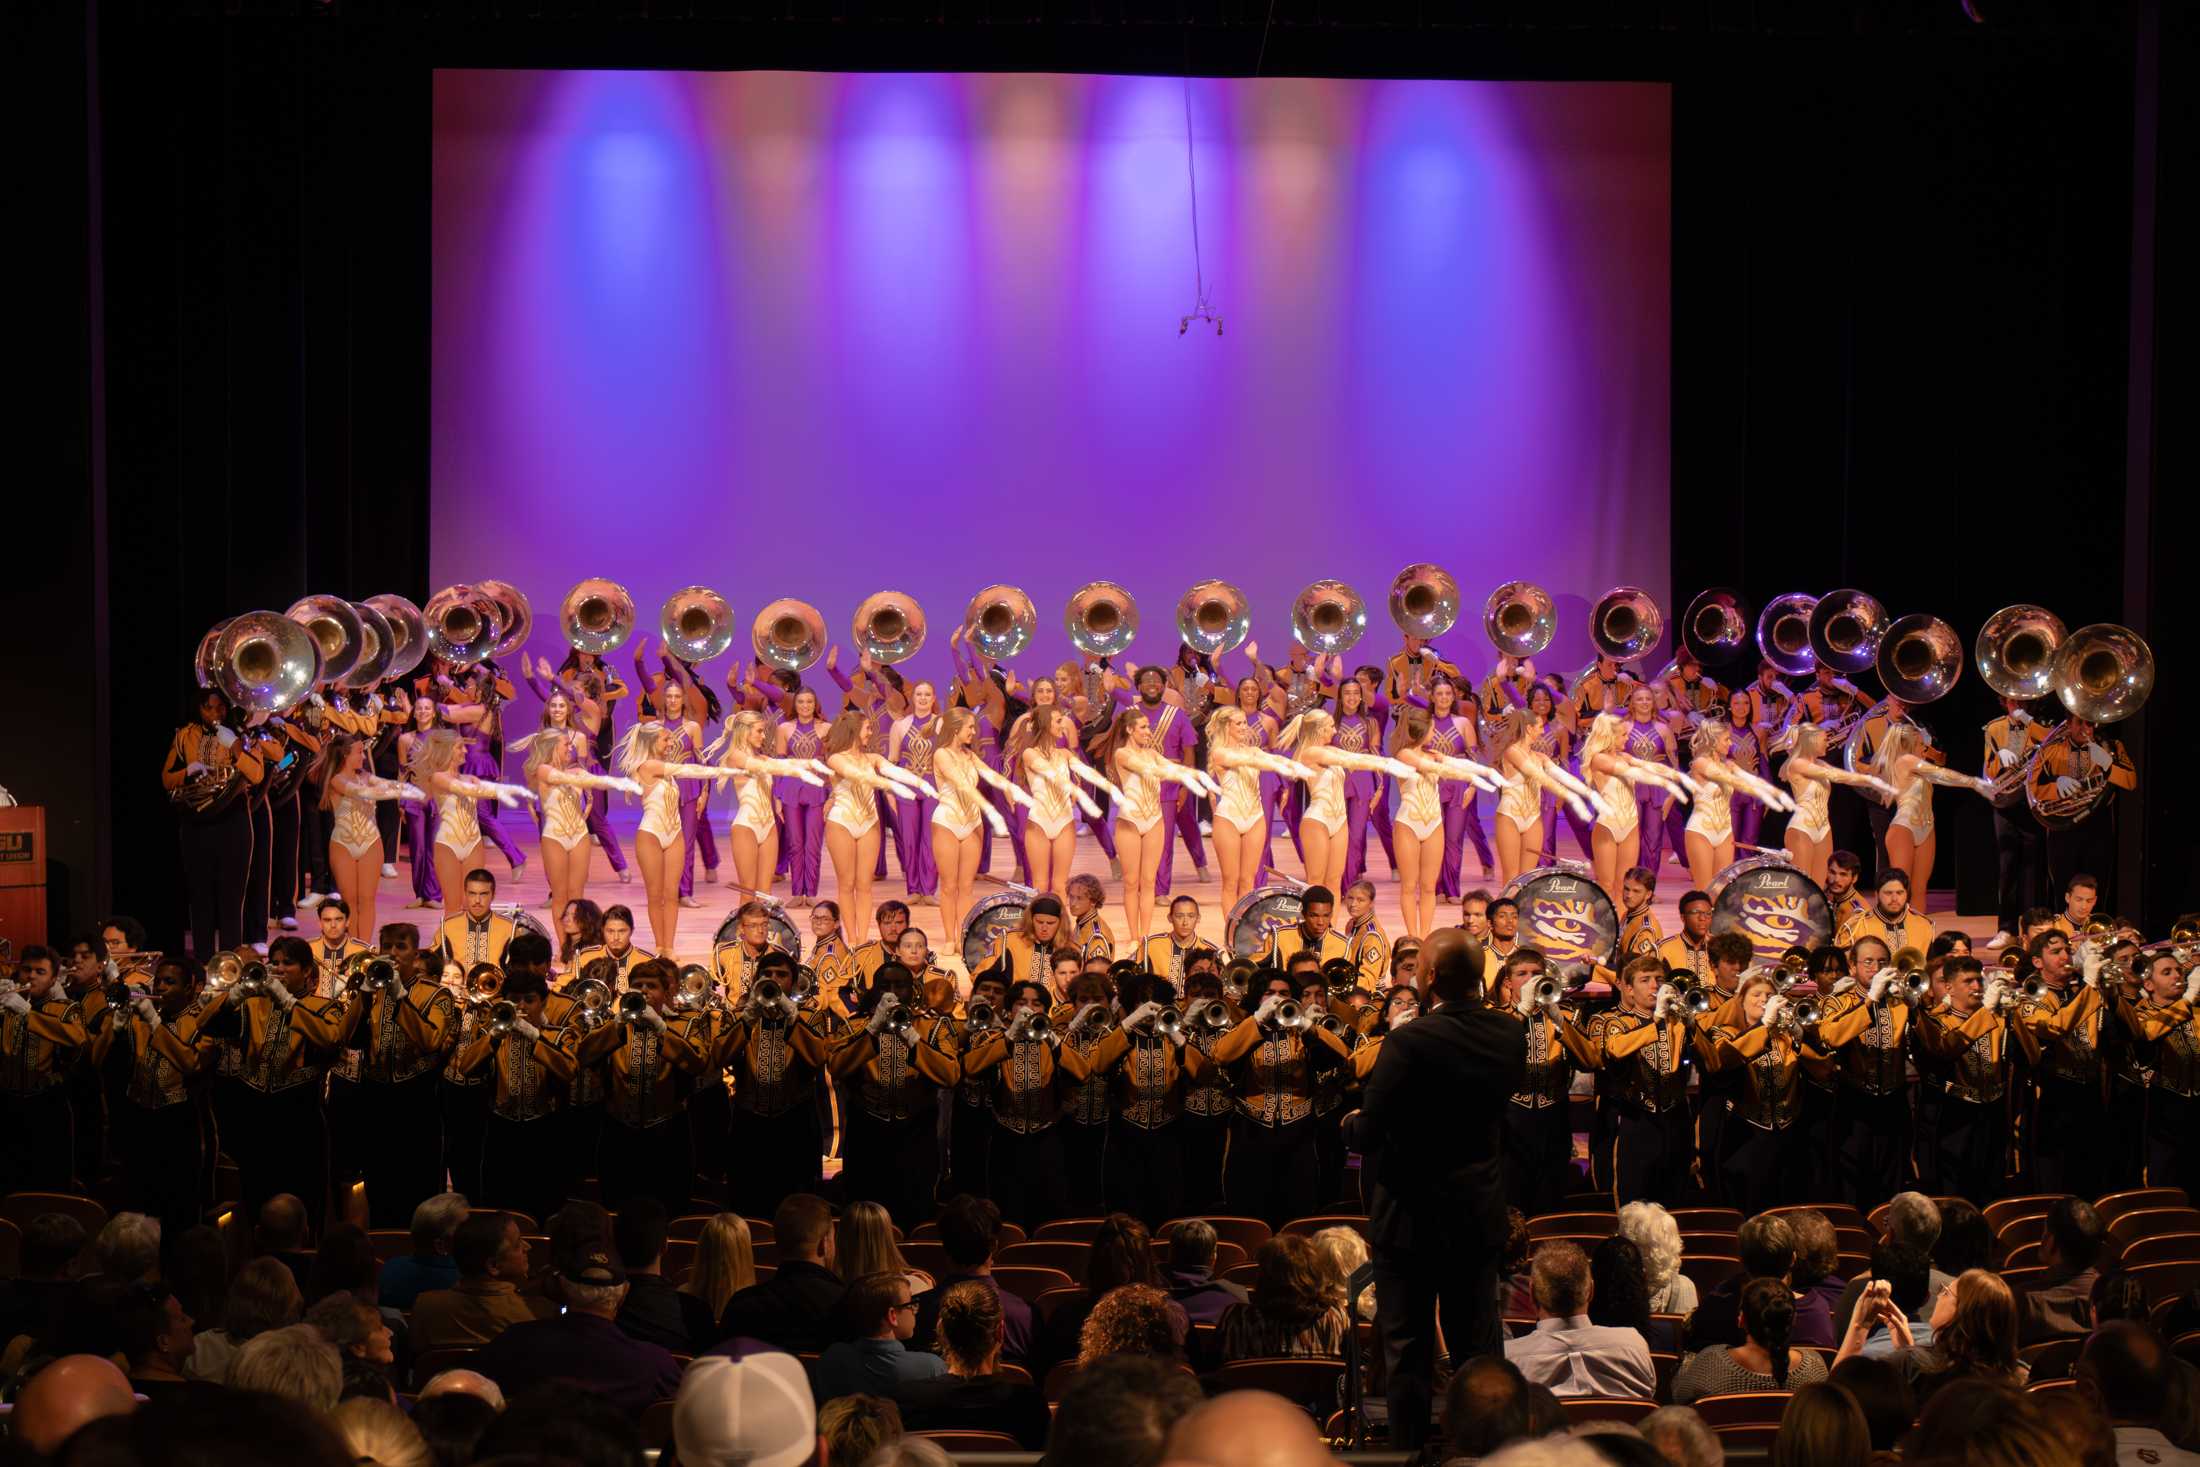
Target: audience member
566	1426
1617	1444
1119	1412
128	1248
1882	1394
724	1265
911	1451
1515	1295
878	1359
1966	1240
973	1394
1562	1452
790	1310
247	1428
1906	1272
1682	1438
1986	1421
1912	1218
1817	1286
464	1383
1657	1237
1619	1293
493	1263
1248	1429
2086	1438
2062	1302
379	1435
296	1362
1121	1253
970	1228
156	1339
1822	1427
1132	1320
32	1302
654	1310
2126	1373
2117	1295
1486	1404
853	1427
1764	1361
1565	1351
1344	1252
285	1232
197	1268
452	1423
264	1296
359	1333
1766	1244
430	1264
69	1393
1974	1323
1190	1276
865	1244
1293	1310
582	1347
746	1410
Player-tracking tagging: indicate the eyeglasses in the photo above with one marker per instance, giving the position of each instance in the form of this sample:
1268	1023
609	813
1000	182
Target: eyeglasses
905	1304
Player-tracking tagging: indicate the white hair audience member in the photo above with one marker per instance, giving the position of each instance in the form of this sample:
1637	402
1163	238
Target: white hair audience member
1657	1237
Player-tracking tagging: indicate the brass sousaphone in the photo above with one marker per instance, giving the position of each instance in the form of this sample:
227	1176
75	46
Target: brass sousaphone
2102	674
1424	600
696	624
335	629
1000	622
597	616
408	632
1783	634
1918	658
462	625
889	626
1101	619
788	634
1328	618
1214	617
515	617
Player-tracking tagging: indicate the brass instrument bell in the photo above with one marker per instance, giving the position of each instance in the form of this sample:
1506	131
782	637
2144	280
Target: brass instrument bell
788	634
462	625
1101	619
484	984
597	616
266	662
335	628
1424	600
2015	650
1715	628
1625	623
202	661
696	624
378	650
889	626
1214	617
2103	672
1328	618
1783	634
408	632
1000	622
1920	658
1845	630
515	617
1519	619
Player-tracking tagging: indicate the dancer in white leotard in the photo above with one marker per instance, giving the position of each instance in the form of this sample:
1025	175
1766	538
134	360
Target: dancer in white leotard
434	768
1710	830
959	769
754	836
658	844
1051	773
851	821
1902	763
1321	828
556	770
1810	779
1236	761
1528	772
1127	751
1616	838
1418	828
351	789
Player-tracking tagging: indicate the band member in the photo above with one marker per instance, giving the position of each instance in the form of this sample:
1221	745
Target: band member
562	789
477	934
1026	954
2020	877
1619	778
2068	1121
1016	1064
653	756
1148	1062
1759	1163
1893	921
349	792
1690	948
435	768
801	737
1088	929
521	1140
892	919
1708	837
2081	897
686	709
1273	1067
2067	768
1555	739
777	1056
831	961
736	963
1746	750
1312	933
1130	753
895	1065
2162	1018
961	811
1243	772
335	947
1642	1049
1359	730
1051	773
407	1031
1529	777
970	1124
1323	837
1539	1138
1262	725
158	1127
1208	1104
595	691
41	1032
215	835
617	949
652	1062
1972	1036
1905	762
1866	1026
1171	954
1639	932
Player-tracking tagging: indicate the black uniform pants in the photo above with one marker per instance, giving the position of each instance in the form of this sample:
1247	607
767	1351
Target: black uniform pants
1146	1172
280	1144
1272	1171
1205	1141
1538	1158
771	1157
464	1109
1875	1146
2019	866
37	1141
401	1150
656	1161
163	1164
1650	1156
1973	1148
217	857
519	1165
283	889
1085	1163
1030	1182
893	1163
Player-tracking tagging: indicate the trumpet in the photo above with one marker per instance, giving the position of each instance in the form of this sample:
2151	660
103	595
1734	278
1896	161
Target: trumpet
1691	1000
370	972
592	1000
1519	619
224	970
1546	993
597	616
515	617
251	982
335	629
1213	617
1038	1029
502	1016
1783	634
696	624
1169	1025
2032	990
698	991
1101	619
889	626
1424	600
632	1004
1800	1015
767	994
1288	1015
981	1017
462	625
1212	1016
1000	622
1845	630
483	985
789	634
1328	618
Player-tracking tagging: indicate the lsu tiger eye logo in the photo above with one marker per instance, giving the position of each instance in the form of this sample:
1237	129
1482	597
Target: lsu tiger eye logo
1565	930
1775	910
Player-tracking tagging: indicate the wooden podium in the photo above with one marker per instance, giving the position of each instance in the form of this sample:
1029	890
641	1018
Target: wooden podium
23	874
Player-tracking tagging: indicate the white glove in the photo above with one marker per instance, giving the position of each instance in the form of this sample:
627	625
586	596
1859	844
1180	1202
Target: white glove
2089	965
2008	758
144	1008
1141	1014
526	1030
1523	1005
2065	785
2021	716
1267	1008
225	735
650	1018
195	768
2192	986
1664	1003
1018	1027
1774	1007
1085	1015
2100	755
505	795
882	1012
1880	984
1401	1020
1993	993
280	994
15	1003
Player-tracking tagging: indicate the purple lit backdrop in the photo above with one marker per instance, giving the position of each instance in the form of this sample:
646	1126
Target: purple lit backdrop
814	335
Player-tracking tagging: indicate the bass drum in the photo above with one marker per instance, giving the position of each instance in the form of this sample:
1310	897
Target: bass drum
991	919
1774	905
526	921
1567	917
1262	910
783	934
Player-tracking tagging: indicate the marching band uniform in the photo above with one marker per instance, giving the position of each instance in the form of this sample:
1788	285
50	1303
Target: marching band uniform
1369	950
2173	1101
407	1038
2068	1118
1281	944
834	967
892	1155
645	1130
344	1107
280	1141
1026	1166
1682	951
217	851
1639	933
1090	936
1539	1133
1203	1129
2020	872
160	1127
1972	1120
463	1099
1160	955
1085	1106
462	940
1870	1044
1761	1162
1017	959
775	1144
1272	1169
520	1165
2088	845
1646	1063
1148	1073
622	963
1912	929
37	1134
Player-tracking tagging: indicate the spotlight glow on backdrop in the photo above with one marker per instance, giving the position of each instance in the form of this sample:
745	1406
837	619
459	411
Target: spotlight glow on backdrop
815	335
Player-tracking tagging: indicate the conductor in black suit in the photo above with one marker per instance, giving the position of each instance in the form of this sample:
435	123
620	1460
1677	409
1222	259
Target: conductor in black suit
1430	1133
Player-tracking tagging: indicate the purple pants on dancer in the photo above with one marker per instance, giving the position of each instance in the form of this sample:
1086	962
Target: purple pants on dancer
1553	812
1462	823
1179	816
913	838
422	819
695	834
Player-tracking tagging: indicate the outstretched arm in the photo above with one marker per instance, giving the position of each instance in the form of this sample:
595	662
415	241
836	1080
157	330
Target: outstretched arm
1260	759
1351	759
1819	769
1014	791
1936	774
1094	778
860	769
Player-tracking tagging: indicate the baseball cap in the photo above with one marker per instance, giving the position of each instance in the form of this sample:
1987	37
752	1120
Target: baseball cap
597	1266
753	1409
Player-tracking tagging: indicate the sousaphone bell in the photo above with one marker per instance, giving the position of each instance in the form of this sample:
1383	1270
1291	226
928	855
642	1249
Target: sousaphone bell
202	661
1715	628
266	662
1845	630
2015	650
1214	617
1424	600
1000	622
1519	619
788	634
1920	658
696	624
597	616
1625	623
377	651
515	617
1783	634
1101	619
1328	618
889	626
335	629
408	632
462	625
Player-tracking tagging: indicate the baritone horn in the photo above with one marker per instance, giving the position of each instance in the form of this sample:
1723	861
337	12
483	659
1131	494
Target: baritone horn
889	626
1328	618
1519	619
1214	617
1783	634
335	629
462	625
266	661
1424	600
2015	650
696	624
515	616
1920	658
1000	622
1845	630
597	616
788	634
1715	628
1625	623
408	632
1101	619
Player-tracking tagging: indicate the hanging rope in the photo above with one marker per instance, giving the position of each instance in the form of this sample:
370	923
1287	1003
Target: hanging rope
1201	310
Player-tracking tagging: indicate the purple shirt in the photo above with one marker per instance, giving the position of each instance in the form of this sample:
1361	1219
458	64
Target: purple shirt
1173	735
